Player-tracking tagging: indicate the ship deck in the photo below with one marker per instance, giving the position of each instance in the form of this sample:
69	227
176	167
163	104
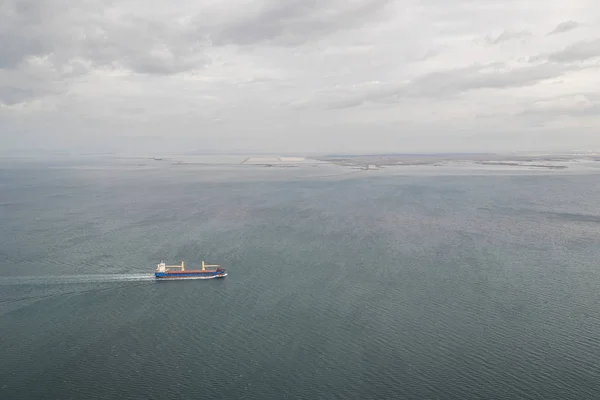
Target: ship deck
193	272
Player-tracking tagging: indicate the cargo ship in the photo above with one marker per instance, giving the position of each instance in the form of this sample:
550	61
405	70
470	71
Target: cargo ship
208	271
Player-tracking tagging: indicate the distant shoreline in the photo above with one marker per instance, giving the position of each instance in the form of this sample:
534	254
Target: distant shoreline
550	161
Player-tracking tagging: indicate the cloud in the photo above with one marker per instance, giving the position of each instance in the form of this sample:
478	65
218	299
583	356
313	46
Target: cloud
565	26
506	36
36	77
574	105
494	76
11	95
67	31
294	75
294	22
581	51
443	84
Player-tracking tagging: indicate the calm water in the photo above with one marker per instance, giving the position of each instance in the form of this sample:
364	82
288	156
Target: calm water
360	285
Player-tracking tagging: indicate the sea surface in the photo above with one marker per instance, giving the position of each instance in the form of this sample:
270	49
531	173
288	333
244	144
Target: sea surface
415	283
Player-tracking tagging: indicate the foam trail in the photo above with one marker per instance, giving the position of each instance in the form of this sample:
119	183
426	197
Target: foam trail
65	279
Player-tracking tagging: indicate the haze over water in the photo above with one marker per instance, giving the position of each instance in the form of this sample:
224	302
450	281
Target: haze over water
430	283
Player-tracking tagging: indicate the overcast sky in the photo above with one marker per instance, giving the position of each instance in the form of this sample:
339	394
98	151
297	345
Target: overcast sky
300	76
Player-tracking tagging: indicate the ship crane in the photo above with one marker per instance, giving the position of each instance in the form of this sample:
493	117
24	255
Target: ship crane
162	267
208	265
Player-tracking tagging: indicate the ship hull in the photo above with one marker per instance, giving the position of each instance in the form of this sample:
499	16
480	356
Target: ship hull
188	275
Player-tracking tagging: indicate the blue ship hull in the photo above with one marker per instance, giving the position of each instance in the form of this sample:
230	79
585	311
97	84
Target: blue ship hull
190	275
